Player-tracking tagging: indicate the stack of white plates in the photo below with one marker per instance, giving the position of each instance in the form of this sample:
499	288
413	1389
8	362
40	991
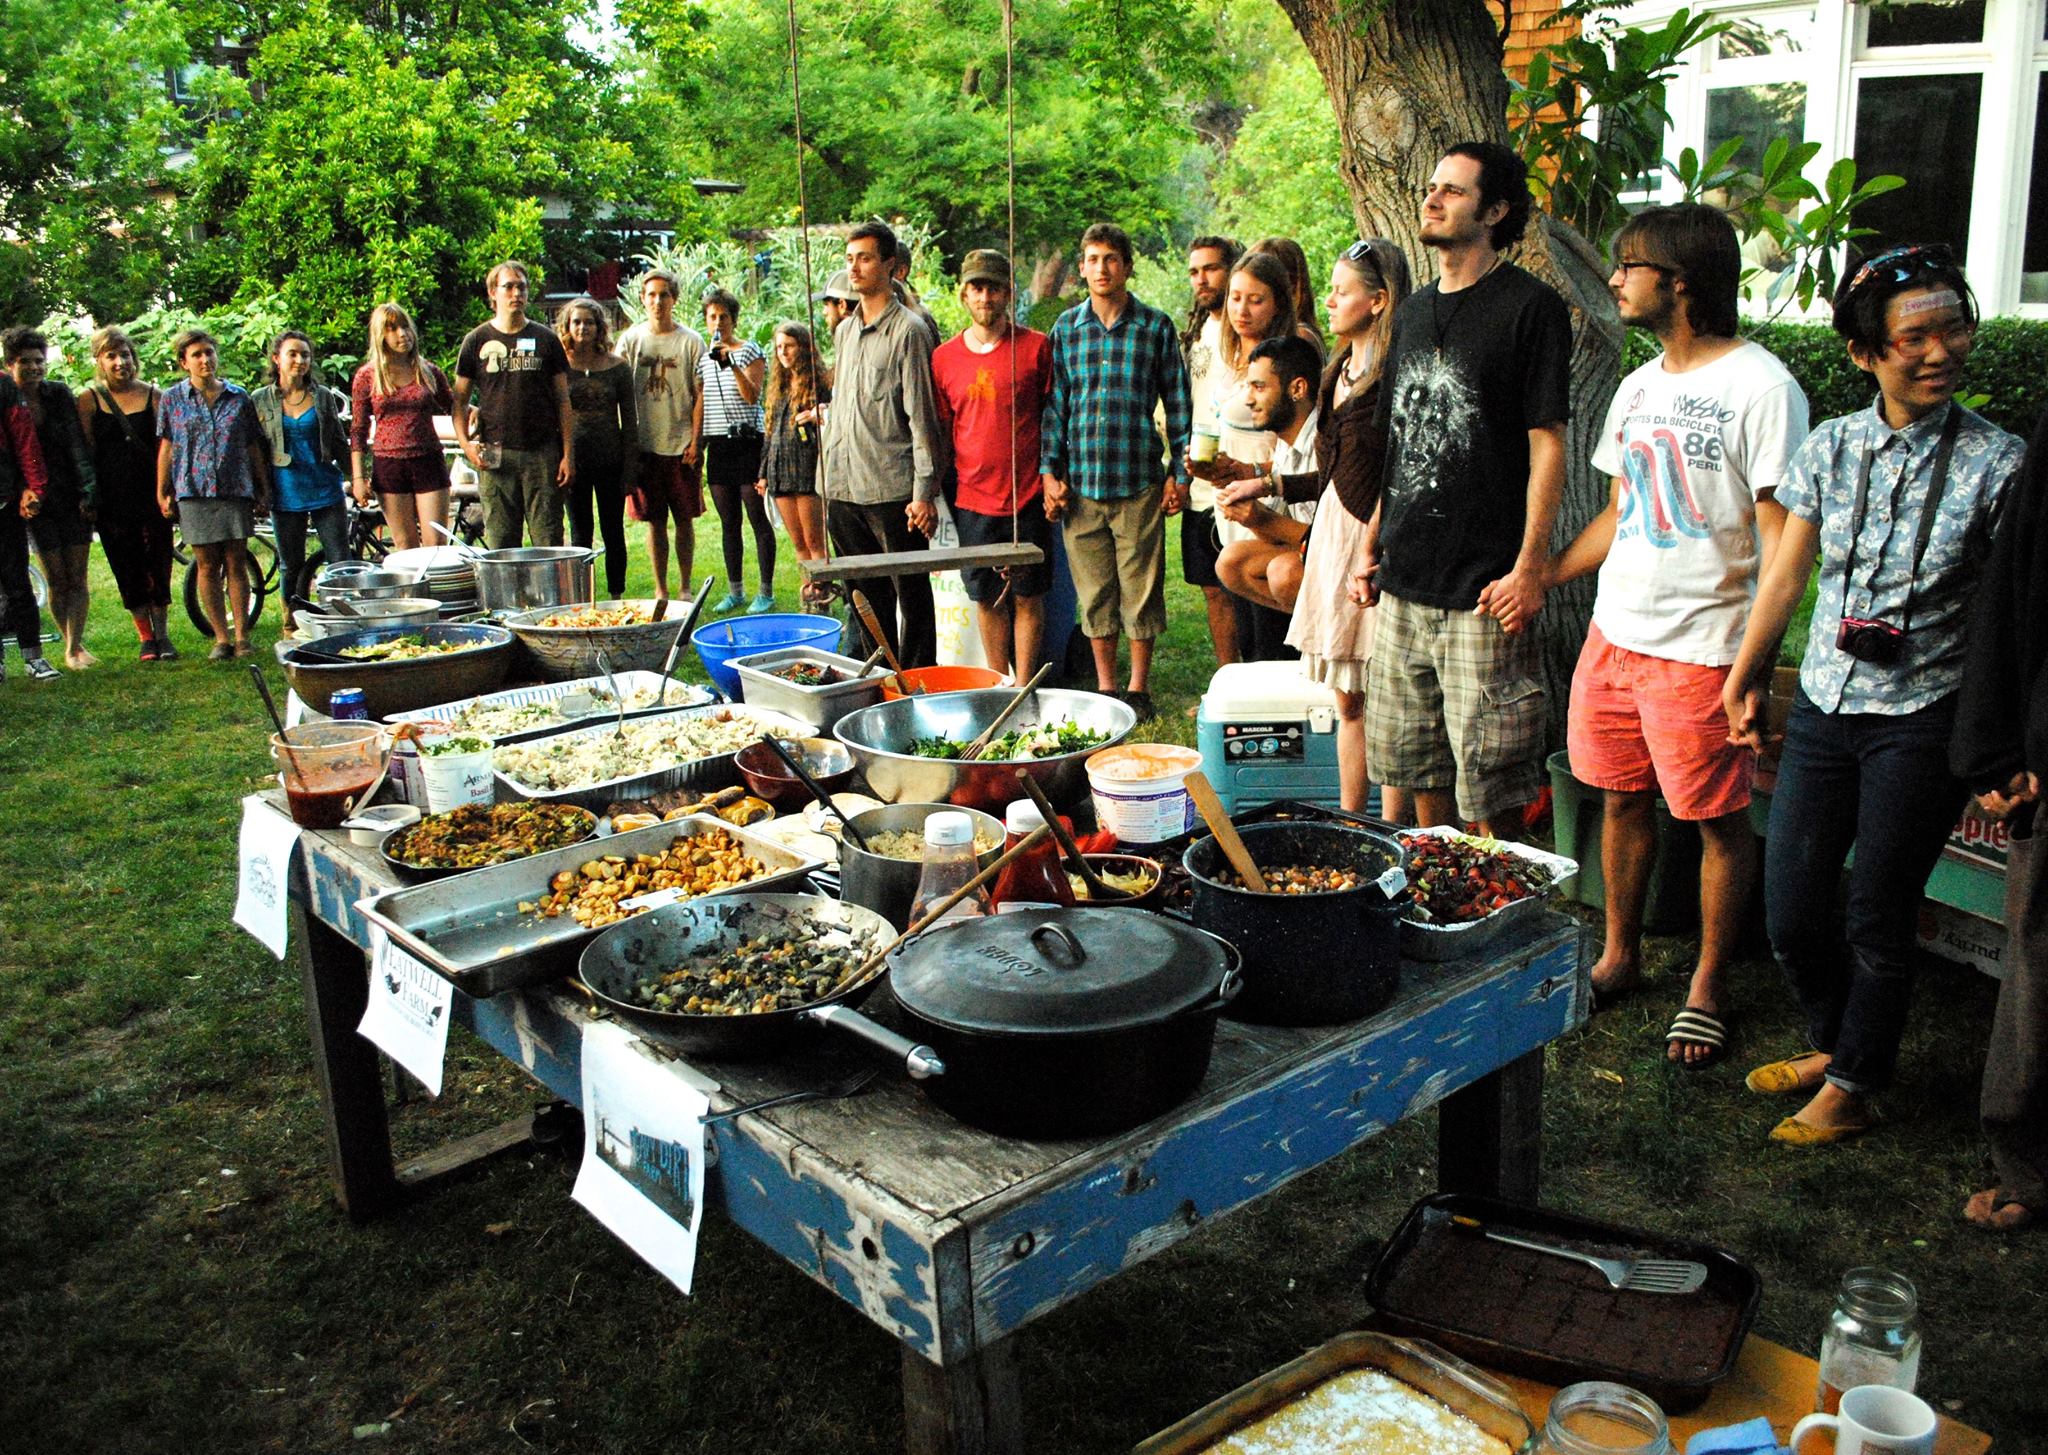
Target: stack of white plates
450	579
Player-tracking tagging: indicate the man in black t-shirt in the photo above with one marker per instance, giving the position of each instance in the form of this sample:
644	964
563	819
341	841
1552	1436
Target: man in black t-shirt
1477	393
524	450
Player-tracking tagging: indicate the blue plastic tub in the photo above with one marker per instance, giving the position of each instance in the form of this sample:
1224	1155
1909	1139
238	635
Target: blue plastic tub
718	642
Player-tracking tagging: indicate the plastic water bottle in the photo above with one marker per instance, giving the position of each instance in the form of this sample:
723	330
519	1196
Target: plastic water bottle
948	866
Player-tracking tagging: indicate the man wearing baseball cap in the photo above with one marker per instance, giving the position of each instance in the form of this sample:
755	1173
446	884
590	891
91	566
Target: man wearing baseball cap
990	386
837	299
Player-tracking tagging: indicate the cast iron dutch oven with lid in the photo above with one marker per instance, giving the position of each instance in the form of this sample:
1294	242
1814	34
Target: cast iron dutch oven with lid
1059	1022
1309	959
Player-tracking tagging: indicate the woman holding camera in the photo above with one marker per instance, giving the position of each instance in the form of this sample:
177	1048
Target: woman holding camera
1900	501
729	378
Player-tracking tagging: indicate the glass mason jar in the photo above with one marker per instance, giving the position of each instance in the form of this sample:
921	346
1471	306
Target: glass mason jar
1872	1337
1598	1418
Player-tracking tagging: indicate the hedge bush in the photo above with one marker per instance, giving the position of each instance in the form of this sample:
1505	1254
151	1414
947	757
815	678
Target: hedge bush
2008	368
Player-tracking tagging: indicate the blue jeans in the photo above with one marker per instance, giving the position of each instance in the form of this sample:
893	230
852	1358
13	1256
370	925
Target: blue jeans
330	523
1880	783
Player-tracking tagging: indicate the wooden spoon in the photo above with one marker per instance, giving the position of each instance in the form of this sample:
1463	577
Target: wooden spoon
865	610
1099	889
976	748
1211	808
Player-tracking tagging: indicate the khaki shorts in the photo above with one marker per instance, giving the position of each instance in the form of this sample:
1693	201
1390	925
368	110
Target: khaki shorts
1451	700
1116	553
520	492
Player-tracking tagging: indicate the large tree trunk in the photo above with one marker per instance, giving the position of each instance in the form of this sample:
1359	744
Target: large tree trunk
1407	79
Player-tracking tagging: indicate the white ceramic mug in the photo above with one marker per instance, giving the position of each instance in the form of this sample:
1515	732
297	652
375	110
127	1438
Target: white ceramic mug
1875	1420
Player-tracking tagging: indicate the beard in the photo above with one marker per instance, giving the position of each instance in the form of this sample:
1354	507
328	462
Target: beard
1208	299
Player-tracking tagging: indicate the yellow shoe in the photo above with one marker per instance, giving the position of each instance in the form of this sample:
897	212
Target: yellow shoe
1792	1132
1780	1077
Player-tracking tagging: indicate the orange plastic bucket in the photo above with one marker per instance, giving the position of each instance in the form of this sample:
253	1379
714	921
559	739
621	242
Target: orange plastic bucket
945	679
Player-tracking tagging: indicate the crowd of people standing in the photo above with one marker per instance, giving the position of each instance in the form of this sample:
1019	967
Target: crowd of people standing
1374	489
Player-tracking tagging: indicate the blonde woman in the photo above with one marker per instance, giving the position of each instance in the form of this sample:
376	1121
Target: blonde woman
401	393
607	435
789	455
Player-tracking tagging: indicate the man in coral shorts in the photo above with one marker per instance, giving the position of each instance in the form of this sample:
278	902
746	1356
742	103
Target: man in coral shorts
1696	442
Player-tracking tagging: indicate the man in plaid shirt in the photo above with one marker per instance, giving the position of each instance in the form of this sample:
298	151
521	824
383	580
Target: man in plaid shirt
1113	359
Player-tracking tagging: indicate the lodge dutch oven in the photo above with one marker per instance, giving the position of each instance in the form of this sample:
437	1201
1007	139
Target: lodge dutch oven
1309	959
1059	1022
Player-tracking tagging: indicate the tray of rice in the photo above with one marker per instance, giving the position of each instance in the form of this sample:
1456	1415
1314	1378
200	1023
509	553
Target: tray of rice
520	713
592	766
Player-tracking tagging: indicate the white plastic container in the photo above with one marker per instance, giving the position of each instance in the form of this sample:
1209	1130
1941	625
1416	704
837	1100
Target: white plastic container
1141	793
456	779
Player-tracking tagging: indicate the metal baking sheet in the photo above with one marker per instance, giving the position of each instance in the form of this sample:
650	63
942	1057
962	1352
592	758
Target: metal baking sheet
708	774
628	682
1448	942
470	929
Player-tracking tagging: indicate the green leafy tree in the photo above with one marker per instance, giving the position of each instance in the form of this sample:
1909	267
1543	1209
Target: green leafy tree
1280	174
89	123
377	155
904	113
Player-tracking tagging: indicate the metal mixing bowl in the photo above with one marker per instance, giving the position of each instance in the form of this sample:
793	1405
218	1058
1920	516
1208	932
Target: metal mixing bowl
880	738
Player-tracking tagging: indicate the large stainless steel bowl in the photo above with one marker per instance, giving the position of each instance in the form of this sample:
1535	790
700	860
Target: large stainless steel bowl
396	611
880	737
360	581
521	578
390	687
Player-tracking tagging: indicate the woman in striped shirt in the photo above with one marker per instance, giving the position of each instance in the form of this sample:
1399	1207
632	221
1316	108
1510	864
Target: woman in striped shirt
729	376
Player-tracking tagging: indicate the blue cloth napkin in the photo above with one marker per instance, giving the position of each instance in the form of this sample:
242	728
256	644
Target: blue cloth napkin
1751	1437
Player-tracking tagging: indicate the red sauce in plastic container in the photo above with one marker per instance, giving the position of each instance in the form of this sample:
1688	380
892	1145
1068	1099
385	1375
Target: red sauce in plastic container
320	801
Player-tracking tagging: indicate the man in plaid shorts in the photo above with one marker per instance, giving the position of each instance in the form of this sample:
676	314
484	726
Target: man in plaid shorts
1476	396
1113	358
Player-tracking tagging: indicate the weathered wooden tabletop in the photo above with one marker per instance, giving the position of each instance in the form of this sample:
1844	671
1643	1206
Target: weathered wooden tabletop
952	1239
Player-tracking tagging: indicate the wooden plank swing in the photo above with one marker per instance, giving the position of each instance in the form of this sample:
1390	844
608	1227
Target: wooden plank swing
831	571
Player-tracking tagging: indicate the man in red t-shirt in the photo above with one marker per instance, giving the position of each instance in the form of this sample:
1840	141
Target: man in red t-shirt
991	383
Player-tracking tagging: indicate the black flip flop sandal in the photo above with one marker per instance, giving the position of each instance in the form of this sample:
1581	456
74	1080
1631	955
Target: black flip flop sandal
1693	1027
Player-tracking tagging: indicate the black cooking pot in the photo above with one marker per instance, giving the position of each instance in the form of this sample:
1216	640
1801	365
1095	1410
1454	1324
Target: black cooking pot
1060	1022
1309	959
646	946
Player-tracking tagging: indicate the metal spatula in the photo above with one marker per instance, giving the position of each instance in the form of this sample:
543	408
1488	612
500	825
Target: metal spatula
1637	1275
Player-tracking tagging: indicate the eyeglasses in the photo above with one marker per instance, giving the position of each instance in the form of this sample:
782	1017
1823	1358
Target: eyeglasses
1899	264
1957	335
1628	265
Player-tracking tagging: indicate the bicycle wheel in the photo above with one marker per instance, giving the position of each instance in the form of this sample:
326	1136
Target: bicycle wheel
251	562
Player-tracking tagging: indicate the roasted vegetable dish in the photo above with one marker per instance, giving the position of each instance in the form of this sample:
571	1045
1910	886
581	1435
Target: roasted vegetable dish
1299	878
404	649
696	864
810	674
1456	881
476	835
1048	740
771	972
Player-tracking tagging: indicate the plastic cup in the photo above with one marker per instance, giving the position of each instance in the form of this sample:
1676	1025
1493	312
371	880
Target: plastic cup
324	765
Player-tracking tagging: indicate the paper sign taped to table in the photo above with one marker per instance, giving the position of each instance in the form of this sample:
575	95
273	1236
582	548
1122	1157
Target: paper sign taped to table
262	903
407	1018
643	1150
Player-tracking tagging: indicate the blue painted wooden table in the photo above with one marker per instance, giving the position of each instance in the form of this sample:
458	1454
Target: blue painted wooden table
951	1239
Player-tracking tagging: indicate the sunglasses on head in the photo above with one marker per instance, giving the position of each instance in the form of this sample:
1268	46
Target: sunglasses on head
1903	263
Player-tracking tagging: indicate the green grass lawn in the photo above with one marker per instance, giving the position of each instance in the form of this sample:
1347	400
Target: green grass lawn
177	1278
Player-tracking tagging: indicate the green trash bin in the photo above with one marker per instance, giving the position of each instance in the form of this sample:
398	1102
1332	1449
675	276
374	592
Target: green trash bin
1672	906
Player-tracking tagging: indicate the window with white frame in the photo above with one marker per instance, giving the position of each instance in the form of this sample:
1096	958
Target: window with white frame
1918	88
2034	250
1754	78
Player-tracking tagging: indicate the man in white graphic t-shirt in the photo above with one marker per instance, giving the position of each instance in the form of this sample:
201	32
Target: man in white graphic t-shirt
1696	442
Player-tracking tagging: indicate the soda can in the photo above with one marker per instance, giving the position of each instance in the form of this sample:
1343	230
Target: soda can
347	705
